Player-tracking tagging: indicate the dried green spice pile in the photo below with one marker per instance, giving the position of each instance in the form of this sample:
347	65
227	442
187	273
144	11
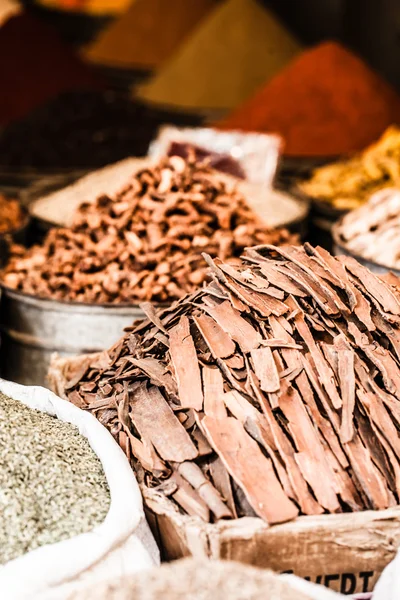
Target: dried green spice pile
52	485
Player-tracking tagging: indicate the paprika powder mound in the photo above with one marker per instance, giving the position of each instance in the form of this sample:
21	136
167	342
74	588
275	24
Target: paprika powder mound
147	33
325	102
35	66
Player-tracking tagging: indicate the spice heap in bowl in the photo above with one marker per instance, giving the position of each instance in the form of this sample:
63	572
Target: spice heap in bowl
145	242
325	102
12	216
53	486
273	391
347	184
82	129
372	232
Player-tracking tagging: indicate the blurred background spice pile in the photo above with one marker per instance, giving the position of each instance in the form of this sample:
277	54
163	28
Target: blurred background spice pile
145	242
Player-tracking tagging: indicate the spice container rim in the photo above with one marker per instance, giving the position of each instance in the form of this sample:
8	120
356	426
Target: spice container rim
341	247
70	304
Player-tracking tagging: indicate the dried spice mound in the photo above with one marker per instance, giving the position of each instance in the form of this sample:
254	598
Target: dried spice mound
83	129
147	33
11	214
190	579
145	243
326	102
52	485
35	66
347	184
373	230
275	390
236	48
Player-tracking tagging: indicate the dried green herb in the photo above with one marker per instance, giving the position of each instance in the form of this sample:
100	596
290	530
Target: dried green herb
52	485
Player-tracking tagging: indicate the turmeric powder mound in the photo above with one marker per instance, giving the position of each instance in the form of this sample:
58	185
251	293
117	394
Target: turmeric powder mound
147	33
326	102
239	46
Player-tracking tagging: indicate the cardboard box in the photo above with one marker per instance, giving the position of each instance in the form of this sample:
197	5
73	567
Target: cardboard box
345	552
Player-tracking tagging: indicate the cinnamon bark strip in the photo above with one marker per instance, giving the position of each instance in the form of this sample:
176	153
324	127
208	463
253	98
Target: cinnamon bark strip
234	325
347	382
308	504
373	285
238	450
310	454
155	421
325	372
194	475
221	480
186	366
213	385
265	369
219	342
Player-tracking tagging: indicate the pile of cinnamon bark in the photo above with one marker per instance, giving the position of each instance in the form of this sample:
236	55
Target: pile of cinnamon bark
146	241
273	391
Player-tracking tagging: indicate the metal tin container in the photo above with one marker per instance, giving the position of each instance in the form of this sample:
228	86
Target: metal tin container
32	329
339	248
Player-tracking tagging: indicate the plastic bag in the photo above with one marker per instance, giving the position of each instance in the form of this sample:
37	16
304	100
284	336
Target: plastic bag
256	153
121	545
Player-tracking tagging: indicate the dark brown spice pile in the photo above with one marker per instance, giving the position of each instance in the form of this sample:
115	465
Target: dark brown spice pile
275	390
11	214
35	66
146	243
83	129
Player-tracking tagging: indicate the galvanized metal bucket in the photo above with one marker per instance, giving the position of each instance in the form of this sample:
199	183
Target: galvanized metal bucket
32	329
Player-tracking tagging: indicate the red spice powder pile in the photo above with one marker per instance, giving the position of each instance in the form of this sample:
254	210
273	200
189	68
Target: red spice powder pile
326	102
35	66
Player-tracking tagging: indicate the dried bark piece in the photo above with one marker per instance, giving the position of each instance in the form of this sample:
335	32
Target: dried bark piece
151	314
222	482
194	475
213	384
302	265
280	280
250	280
238	450
262	303
234	325
189	499
186	366
310	454
375	286
157	373
265	369
347	382
325	372
156	422
307	503
219	342
203	447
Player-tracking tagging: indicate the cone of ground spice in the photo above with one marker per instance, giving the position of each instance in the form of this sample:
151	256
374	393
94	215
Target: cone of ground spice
35	66
238	47
147	33
326	102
